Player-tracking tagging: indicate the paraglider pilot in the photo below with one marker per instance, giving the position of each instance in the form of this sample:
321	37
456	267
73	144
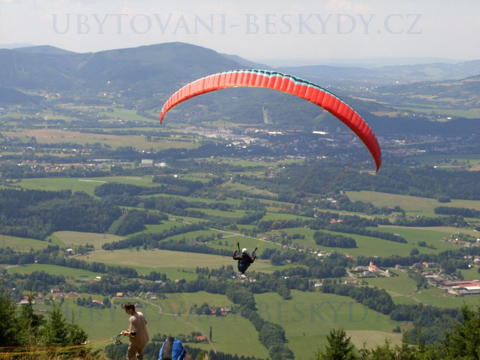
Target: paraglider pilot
244	259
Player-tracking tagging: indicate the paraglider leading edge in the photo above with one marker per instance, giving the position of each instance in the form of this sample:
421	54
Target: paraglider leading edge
284	83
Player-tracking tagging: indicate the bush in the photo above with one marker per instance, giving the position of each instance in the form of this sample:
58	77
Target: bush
443	198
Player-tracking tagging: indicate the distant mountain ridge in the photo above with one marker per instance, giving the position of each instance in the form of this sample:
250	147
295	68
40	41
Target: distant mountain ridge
247	63
165	66
147	75
462	93
387	74
44	49
14	46
146	69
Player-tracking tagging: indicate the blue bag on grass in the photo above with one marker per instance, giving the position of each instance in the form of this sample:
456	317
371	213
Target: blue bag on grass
172	349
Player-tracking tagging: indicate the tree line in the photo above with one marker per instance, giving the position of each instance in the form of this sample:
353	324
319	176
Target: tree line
460	342
37	214
424	181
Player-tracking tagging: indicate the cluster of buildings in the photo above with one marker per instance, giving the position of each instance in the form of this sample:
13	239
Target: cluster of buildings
455	287
370	271
437	278
244	278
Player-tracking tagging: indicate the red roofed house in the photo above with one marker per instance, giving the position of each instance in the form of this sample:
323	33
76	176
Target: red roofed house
201	338
372	268
96	303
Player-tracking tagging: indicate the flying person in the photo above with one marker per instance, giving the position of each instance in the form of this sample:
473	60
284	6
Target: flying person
244	259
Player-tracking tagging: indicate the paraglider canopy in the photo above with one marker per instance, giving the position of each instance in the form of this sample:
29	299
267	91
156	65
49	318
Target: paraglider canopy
285	83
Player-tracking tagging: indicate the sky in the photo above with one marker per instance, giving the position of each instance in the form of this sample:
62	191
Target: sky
297	31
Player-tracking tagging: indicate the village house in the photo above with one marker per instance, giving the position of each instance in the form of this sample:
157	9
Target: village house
96	303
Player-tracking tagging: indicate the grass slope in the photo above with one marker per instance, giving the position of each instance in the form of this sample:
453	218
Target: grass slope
414	204
309	316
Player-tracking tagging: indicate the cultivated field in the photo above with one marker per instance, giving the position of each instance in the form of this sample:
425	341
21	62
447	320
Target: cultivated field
308	318
231	334
25	244
412	204
87	185
160	259
75	238
52	136
54	270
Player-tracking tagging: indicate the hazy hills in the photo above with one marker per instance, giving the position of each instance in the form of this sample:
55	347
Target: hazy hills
147	69
338	75
164	67
44	49
463	93
145	76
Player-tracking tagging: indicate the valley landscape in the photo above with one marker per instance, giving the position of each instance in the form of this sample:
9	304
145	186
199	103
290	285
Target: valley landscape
101	205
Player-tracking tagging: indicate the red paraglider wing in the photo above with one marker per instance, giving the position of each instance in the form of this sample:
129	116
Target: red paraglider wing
285	83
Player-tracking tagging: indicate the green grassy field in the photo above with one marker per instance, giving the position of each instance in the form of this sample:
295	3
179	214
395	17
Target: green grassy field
125	114
251	163
245	242
468	114
166	225
45	115
405	300
172	263
436	229
54	270
372	339
181	303
431	235
308	318
440	298
16	115
87	185
471	274
75	238
163	259
408	203
25	244
229	201
218	213
248	189
228	332
278	216
53	136
171	273
185	219
396	285
191	236
366	246
472	159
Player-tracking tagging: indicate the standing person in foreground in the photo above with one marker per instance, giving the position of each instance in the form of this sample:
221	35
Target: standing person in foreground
137	332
